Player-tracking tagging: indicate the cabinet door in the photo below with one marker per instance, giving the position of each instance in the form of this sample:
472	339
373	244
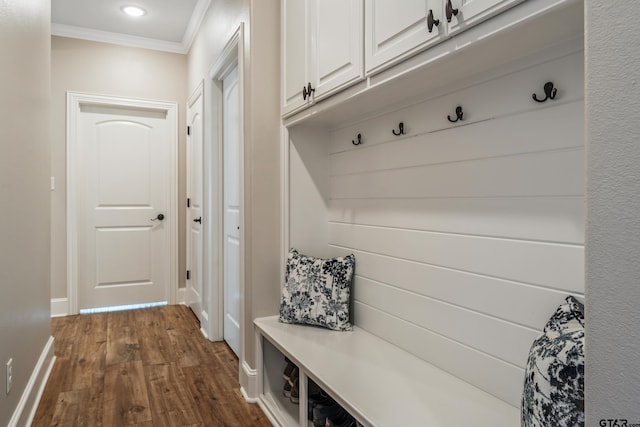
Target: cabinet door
337	58
396	29
295	73
471	12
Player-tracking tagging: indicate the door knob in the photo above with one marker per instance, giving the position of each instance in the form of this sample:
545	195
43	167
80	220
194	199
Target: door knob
160	217
198	220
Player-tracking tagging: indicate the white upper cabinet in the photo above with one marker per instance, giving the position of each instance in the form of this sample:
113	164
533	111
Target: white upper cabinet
465	13
295	39
329	45
338	59
322	53
395	30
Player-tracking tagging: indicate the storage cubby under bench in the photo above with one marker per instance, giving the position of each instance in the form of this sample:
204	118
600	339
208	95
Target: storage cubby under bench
375	381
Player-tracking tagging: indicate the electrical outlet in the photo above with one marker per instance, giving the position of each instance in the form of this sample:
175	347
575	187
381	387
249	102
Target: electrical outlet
9	375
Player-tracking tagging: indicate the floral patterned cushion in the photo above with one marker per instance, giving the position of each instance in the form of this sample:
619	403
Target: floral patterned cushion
554	376
316	291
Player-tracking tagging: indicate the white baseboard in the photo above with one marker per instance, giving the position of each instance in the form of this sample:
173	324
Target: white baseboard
204	333
59	307
246	396
249	383
28	404
181	296
250	392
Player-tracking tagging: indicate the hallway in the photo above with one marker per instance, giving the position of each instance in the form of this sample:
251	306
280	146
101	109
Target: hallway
148	367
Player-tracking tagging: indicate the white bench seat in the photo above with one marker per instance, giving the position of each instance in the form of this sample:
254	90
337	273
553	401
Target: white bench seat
381	384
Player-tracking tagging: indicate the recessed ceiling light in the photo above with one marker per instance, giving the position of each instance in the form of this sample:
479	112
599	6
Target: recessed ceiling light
133	11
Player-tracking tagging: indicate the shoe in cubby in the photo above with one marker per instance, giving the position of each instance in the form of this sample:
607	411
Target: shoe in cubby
288	370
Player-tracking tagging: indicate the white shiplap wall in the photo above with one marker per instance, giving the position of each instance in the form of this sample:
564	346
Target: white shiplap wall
467	236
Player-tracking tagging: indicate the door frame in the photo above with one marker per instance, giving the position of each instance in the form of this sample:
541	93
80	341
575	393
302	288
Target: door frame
75	100
231	56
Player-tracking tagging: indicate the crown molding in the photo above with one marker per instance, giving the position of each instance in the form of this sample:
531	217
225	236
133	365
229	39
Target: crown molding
197	17
82	33
115	38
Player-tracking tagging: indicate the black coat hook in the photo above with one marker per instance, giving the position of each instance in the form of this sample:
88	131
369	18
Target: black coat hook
459	115
400	129
359	141
549	92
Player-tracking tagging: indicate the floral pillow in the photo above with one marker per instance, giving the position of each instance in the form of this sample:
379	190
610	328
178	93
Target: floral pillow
316	291
554	376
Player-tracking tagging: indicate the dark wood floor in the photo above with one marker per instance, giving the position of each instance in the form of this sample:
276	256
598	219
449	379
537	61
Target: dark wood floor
149	367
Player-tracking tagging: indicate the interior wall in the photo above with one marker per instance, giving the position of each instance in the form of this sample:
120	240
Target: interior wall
262	141
613	220
24	191
106	69
220	22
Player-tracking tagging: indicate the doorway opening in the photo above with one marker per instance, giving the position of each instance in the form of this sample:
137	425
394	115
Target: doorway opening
226	207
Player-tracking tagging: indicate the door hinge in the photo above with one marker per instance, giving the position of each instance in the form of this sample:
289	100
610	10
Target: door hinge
188	275
188	130
188	202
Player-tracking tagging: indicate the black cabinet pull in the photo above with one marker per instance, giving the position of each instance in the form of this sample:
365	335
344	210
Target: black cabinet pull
450	11
198	220
431	22
307	91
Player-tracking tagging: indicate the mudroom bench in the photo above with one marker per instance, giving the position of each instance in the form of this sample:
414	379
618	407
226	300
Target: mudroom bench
377	382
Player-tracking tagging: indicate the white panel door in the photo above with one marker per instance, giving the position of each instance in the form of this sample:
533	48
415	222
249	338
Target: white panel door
395	29
231	205
195	141
124	239
471	12
338	59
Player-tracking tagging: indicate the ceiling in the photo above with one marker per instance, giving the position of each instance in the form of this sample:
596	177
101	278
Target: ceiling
169	25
